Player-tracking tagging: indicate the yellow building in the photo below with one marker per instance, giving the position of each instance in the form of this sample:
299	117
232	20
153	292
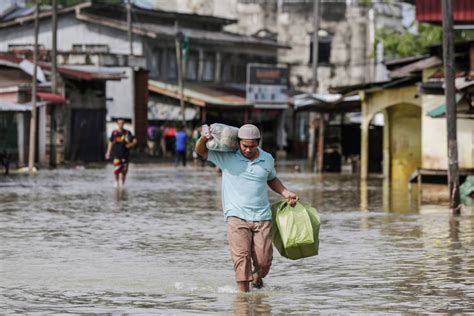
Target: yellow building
415	132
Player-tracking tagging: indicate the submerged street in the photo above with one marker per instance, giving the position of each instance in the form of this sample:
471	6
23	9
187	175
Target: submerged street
71	243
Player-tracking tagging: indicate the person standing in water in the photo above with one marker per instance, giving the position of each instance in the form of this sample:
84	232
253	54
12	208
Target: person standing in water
120	143
246	173
181	139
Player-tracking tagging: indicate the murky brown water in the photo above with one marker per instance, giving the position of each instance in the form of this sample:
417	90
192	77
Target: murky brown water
70	243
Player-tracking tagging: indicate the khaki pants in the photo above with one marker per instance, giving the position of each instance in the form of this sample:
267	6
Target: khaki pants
250	244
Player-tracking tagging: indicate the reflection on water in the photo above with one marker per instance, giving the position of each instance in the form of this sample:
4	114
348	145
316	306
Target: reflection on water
397	197
251	304
71	243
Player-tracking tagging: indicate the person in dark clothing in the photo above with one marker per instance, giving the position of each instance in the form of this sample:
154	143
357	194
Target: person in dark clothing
180	146
120	143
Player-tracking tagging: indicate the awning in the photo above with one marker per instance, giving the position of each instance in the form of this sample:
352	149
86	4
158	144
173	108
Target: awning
440	110
204	95
326	103
9	106
158	111
272	106
51	97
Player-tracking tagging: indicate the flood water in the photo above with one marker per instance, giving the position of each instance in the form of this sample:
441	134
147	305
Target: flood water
70	244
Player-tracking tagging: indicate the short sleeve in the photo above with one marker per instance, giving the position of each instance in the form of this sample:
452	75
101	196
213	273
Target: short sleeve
219	158
215	157
272	174
111	138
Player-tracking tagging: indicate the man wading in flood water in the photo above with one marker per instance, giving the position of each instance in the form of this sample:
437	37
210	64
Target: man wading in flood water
245	176
120	143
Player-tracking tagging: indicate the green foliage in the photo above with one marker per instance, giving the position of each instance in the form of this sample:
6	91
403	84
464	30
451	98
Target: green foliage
406	43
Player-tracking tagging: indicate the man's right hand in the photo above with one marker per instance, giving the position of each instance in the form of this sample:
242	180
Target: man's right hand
201	148
107	156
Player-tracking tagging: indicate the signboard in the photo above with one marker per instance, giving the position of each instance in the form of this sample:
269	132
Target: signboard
267	84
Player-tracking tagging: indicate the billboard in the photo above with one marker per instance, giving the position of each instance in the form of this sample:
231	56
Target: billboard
267	84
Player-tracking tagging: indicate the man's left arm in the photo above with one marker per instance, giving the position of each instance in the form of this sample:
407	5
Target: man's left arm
279	188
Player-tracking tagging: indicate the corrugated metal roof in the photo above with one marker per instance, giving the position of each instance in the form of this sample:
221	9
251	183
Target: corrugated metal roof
326	102
9	106
440	110
430	10
18	12
208	36
199	94
169	32
87	72
159	111
51	97
415	67
83	72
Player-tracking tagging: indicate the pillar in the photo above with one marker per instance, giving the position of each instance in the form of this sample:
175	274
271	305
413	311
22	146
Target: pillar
217	74
200	73
364	143
386	144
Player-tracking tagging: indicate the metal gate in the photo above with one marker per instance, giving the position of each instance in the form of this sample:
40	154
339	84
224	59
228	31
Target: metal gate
88	135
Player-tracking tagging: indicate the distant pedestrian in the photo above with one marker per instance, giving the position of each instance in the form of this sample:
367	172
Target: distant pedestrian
120	143
181	139
153	140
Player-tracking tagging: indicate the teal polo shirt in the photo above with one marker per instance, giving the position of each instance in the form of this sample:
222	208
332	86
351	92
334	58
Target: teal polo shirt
244	184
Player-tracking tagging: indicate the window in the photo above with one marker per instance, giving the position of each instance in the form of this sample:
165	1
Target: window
241	69
154	63
172	70
226	74
90	48
14	47
192	65
324	49
208	67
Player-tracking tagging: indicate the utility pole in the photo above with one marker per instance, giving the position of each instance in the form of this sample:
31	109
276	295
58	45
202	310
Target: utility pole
449	74
54	49
54	80
312	115
129	24
179	65
31	155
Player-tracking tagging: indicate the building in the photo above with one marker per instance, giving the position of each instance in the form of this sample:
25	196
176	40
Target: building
70	126
414	132
213	66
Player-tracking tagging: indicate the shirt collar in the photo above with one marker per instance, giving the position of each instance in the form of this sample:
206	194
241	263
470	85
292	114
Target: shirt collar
243	158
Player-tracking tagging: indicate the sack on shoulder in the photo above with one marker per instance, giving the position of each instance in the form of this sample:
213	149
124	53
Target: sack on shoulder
224	137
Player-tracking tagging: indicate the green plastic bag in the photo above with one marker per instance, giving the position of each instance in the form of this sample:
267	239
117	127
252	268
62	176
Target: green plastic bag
295	229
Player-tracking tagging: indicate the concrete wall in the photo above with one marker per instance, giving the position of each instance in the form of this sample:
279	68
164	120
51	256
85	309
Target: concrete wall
352	59
434	139
222	8
70	31
120	96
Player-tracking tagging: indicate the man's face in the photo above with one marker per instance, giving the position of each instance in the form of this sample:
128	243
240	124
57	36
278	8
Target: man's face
120	124
249	148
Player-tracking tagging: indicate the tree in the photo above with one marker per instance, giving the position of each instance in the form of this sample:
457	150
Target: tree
407	43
